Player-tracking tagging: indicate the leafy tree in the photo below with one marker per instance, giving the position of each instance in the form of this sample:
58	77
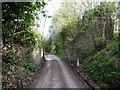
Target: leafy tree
68	23
18	19
17	22
49	46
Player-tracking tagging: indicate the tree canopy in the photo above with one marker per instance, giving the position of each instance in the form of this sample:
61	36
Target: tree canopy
18	20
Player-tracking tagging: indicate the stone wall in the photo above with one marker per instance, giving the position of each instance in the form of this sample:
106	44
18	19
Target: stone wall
84	44
71	53
31	53
37	54
81	47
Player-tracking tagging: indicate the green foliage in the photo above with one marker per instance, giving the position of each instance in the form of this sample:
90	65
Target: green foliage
17	23
71	24
74	65
19	20
32	66
100	43
15	67
115	35
27	38
11	61
100	39
104	68
64	22
48	46
113	49
68	34
45	53
62	54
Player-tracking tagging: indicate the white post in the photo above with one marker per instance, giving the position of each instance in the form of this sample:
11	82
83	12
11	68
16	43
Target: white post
77	62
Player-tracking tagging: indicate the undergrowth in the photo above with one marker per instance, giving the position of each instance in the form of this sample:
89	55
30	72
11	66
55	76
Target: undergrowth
104	67
18	69
62	54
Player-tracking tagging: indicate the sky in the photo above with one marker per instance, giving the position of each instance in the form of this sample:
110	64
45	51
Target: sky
45	23
52	7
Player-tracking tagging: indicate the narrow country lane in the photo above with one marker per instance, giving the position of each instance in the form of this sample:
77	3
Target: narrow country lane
56	74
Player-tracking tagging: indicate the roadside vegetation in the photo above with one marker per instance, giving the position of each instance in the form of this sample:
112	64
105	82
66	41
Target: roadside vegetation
104	67
85	31
19	41
89	35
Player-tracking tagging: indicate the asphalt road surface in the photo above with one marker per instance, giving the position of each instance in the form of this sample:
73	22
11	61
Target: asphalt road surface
56	74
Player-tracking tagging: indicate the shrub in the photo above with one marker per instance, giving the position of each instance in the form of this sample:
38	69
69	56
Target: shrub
115	35
32	66
100	43
62	54
103	68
